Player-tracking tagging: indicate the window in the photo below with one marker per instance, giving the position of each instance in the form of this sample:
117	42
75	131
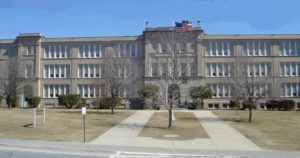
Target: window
89	71
226	106
259	69
90	91
193	69
182	48
289	48
290	69
28	71
163	48
257	48
183	69
218	69
154	69
57	71
219	49
10	51
164	69
213	106
290	90
53	91
221	90
29	50
57	51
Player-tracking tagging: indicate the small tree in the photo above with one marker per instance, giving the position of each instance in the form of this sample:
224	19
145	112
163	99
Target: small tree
201	92
235	104
107	102
149	92
69	100
33	101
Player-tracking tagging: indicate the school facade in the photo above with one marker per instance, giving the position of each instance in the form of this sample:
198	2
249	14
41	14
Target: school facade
75	65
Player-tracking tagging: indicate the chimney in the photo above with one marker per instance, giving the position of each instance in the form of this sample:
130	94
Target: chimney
198	23
147	24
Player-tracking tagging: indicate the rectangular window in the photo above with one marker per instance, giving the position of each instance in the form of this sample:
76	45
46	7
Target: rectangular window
183	69
164	69
207	49
192	69
208	70
154	69
28	71
133	50
92	51
52	91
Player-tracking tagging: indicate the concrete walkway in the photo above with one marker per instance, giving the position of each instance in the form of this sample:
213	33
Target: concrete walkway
222	136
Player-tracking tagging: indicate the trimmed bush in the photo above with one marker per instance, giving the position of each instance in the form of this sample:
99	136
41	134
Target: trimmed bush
33	101
273	104
69	100
13	101
106	102
235	104
288	105
1	97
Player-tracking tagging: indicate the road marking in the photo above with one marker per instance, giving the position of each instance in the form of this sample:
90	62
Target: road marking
126	154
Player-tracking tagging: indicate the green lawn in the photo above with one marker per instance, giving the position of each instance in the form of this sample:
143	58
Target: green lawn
275	130
61	124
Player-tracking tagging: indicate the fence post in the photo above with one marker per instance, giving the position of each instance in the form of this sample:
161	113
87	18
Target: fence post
44	116
34	118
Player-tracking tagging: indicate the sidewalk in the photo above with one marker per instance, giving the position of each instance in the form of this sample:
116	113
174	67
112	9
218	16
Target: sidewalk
222	136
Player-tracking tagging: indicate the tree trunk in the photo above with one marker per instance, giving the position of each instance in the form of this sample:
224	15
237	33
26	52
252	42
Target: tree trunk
250	114
202	103
112	104
170	115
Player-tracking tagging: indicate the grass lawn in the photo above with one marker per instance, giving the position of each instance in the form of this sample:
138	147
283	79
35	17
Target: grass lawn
275	130
61	124
185	127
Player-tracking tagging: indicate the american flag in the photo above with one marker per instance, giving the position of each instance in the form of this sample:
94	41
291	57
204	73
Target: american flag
184	26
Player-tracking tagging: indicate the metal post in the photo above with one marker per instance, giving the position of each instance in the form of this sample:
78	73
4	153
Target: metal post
34	118
83	128
44	116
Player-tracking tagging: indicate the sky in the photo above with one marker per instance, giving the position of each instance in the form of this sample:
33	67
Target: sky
85	18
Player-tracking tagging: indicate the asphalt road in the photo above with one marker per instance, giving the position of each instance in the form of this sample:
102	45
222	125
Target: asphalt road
10	148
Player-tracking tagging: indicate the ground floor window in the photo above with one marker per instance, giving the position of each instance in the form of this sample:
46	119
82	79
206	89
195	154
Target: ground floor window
298	106
213	106
227	106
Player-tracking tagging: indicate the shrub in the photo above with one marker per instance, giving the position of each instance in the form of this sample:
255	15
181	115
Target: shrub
82	103
288	105
1	97
105	102
235	104
273	104
12	101
33	101
69	100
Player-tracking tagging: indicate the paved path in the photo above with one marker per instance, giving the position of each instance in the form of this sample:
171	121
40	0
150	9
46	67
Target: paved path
222	136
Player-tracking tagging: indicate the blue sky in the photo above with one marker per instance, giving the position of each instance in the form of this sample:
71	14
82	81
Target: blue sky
72	18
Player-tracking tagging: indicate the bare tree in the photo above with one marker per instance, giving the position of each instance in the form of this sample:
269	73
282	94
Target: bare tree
11	84
252	85
174	45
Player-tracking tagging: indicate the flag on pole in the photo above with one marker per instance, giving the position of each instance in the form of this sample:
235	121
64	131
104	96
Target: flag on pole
183	26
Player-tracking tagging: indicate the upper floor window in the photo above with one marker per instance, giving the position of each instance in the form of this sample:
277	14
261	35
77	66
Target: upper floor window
289	48
57	51
91	51
28	71
290	69
154	70
256	48
290	90
259	69
10	51
219	49
219	69
90	71
29	50
57	71
127	50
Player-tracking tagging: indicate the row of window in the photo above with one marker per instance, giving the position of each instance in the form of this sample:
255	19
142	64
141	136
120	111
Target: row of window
259	69
91	51
90	71
57	51
289	48
127	50
256	49
57	71
185	69
225	106
221	90
53	91
219	70
168	47
289	69
219	49
290	90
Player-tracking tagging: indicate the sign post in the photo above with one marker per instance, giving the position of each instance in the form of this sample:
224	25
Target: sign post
83	114
44	116
34	118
